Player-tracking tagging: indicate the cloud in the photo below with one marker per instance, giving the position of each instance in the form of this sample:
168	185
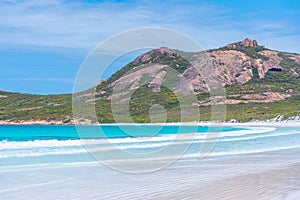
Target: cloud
57	23
50	38
36	79
83	24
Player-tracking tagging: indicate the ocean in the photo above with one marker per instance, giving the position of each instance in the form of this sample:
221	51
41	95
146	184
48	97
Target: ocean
143	161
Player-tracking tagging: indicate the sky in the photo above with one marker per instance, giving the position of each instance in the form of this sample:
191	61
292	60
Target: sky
44	42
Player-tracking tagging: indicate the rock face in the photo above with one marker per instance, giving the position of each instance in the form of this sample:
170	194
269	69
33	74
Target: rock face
161	51
133	80
235	67
245	43
236	63
157	81
273	63
295	57
265	97
196	82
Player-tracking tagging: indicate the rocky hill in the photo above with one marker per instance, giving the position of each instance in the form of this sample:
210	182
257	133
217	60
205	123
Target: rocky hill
239	63
260	83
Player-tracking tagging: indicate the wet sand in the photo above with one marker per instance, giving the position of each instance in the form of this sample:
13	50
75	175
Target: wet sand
283	183
269	175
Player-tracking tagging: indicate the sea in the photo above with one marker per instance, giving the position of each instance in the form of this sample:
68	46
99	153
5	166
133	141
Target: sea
139	161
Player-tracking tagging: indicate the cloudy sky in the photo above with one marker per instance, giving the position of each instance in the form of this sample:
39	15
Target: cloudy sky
44	42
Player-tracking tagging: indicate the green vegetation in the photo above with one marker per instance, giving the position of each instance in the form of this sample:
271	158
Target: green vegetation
18	107
252	52
37	107
274	81
288	63
176	62
263	111
139	105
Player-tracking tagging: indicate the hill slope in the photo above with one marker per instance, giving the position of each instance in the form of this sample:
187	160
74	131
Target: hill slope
260	84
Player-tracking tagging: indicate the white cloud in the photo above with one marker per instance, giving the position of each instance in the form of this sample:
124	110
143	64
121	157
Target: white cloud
47	79
58	23
54	23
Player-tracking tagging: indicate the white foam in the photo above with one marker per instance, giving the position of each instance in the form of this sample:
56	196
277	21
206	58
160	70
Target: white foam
35	153
249	131
252	151
37	144
65	147
261	136
170	137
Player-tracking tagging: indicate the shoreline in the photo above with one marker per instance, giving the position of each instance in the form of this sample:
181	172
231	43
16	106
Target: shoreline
288	123
270	175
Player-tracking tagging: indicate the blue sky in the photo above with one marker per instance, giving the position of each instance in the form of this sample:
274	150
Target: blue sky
44	42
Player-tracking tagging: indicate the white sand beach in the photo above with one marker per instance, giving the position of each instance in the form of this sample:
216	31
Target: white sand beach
271	175
251	162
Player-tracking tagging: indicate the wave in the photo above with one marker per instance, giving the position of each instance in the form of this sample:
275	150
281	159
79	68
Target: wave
161	138
252	151
36	153
261	136
38	143
66	147
179	142
198	155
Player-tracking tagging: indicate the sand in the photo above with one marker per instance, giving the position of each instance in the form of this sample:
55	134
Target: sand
270	175
205	123
264	175
280	183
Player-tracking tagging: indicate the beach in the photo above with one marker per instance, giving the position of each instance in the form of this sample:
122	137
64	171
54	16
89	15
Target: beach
254	177
149	100
271	122
249	162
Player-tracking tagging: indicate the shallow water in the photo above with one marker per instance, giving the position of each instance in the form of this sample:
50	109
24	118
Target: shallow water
37	159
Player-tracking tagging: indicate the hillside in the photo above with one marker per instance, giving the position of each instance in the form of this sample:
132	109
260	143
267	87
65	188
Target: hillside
260	84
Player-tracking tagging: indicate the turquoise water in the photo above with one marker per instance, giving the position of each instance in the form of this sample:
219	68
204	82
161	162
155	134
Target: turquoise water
23	145
36	132
51	162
